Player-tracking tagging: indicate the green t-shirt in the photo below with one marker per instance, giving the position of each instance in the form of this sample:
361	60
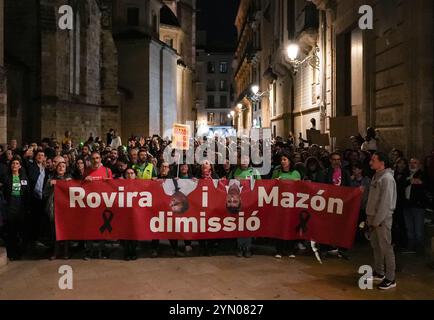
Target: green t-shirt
16	186
290	175
246	174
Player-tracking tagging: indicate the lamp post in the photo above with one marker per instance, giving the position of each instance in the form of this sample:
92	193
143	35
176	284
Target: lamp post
255	89
231	115
257	96
292	53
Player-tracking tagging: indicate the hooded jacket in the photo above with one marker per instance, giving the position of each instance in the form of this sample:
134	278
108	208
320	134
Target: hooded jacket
382	199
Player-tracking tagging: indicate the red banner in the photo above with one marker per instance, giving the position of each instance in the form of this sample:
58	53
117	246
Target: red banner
206	209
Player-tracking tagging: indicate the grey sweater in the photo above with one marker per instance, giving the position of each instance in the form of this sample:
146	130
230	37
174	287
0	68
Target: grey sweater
382	199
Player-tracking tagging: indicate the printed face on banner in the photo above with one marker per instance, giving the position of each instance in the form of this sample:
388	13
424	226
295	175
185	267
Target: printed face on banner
233	199
179	190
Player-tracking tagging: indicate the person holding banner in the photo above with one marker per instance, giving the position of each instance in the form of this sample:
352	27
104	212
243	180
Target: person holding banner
338	176
225	170
244	172
186	174
60	174
130	246
206	173
314	172
285	171
185	171
79	169
178	204
38	177
144	168
97	172
17	195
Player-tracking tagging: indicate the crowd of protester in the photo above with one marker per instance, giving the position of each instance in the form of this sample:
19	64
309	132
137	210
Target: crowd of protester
28	175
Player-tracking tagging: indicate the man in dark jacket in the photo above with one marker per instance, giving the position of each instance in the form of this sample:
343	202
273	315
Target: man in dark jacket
38	224
336	174
416	201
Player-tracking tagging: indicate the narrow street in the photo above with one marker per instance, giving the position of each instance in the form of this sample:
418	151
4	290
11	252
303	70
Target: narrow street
215	278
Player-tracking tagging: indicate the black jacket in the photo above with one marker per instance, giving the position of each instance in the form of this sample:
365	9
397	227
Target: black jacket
346	178
402	183
33	174
317	176
418	192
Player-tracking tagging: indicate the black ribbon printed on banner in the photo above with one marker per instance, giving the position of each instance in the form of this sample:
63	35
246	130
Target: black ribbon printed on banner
175	183
107	216
304	219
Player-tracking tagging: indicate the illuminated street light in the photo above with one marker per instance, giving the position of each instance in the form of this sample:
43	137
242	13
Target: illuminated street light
292	51
257	94
255	89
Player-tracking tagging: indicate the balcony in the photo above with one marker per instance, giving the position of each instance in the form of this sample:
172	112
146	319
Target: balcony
307	26
250	55
308	19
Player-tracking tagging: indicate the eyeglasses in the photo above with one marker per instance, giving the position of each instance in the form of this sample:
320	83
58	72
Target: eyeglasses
336	159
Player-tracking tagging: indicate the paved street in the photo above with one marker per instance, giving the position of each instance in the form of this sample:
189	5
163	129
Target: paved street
216	278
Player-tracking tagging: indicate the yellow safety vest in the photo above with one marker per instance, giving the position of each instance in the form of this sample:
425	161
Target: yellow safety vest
145	174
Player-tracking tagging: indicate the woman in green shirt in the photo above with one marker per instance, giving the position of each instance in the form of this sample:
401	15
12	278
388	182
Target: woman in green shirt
285	172
16	192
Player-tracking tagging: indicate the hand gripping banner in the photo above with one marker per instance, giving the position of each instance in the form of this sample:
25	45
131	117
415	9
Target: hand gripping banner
206	209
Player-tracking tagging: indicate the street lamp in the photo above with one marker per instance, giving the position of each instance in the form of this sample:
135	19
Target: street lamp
255	89
231	115
292	52
257	94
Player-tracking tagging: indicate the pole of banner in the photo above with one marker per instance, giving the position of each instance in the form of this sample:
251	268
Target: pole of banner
177	172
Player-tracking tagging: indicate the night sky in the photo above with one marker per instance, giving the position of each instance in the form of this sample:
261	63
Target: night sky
217	17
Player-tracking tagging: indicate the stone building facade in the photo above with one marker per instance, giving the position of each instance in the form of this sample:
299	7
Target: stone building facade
178	29
384	75
110	71
155	76
3	80
72	83
245	63
380	75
